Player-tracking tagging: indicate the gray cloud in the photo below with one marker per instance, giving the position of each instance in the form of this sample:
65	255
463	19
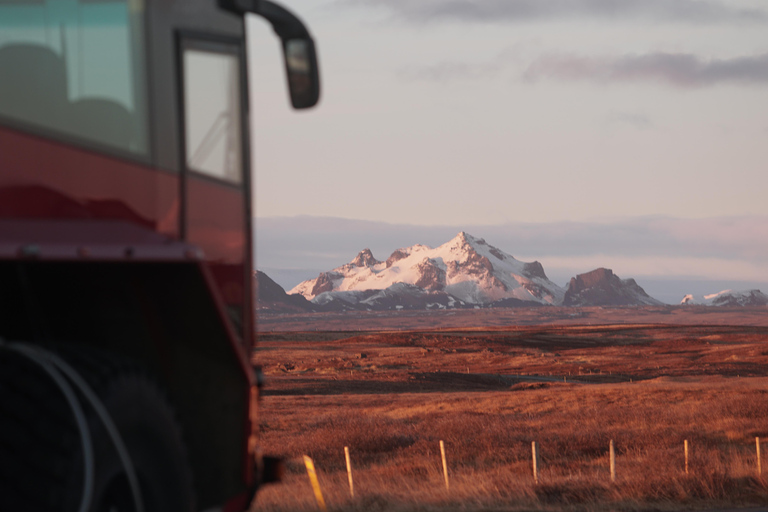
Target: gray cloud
494	11
676	69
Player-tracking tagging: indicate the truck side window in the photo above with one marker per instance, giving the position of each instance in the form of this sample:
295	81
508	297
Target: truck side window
75	67
212	105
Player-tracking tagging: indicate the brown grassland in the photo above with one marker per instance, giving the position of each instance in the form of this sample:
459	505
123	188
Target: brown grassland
391	396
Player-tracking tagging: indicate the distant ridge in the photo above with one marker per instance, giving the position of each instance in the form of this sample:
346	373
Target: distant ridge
728	298
465	272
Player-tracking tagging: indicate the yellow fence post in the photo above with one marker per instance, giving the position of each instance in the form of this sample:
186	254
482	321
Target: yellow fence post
613	461
445	465
315	483
349	472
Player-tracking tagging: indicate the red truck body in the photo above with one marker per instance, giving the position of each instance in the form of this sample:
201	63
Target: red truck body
125	205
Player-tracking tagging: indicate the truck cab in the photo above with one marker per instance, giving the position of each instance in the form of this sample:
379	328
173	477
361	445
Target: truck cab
126	235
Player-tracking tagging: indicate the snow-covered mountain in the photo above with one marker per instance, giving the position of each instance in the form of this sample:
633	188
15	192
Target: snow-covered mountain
601	287
464	271
728	298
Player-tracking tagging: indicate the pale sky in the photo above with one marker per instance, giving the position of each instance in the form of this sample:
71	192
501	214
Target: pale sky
496	111
512	119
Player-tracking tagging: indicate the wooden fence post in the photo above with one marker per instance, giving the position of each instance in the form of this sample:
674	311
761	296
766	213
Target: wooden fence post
535	454
685	445
613	461
445	465
759	465
315	483
349	472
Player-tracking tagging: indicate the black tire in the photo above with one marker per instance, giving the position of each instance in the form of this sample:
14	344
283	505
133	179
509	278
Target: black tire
139	411
37	434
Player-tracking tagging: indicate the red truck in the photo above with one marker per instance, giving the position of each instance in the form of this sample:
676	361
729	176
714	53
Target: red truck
126	274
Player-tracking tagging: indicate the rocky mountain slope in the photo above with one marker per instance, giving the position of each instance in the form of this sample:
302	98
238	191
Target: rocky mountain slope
271	296
728	298
601	287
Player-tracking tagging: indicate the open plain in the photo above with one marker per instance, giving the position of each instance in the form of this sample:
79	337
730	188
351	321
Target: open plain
489	392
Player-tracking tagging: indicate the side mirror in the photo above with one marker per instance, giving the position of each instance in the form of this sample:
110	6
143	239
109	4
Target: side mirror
302	71
299	53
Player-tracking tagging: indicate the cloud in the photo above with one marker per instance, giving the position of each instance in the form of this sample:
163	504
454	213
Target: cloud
682	70
495	11
675	69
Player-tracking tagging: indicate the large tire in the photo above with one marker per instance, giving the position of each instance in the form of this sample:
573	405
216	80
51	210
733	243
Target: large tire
37	433
53	464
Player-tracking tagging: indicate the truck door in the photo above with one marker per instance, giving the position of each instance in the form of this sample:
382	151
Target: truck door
215	165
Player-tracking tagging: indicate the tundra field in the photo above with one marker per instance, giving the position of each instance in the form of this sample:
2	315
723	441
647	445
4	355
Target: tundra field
488	393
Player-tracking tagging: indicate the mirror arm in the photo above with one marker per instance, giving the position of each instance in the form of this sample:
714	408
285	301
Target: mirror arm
285	24
303	84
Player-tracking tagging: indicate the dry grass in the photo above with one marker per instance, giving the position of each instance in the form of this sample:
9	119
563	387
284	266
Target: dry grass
504	317
488	427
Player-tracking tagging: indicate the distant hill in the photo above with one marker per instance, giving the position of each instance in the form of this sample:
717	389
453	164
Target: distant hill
271	296
601	287
727	298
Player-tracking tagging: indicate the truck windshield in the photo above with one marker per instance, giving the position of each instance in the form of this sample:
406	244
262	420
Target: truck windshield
75	67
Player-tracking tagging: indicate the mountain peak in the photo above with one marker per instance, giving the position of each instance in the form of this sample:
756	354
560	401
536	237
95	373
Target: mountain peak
533	269
465	238
594	277
365	259
466	246
460	240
